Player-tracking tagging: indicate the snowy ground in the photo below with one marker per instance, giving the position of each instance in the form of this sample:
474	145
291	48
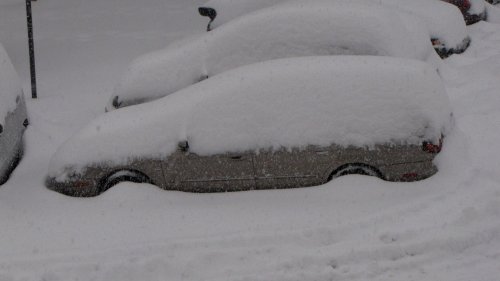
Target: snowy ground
355	228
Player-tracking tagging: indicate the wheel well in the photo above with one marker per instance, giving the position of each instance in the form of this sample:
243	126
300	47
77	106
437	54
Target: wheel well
355	168
118	176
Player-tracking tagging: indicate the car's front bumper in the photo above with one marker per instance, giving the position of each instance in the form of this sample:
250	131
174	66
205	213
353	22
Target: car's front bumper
76	188
473	18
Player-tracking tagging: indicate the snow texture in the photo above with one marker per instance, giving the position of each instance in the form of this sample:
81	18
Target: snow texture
354	228
443	20
10	86
294	102
278	32
477	6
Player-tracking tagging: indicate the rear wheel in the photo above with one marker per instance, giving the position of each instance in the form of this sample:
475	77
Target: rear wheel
123	176
355	169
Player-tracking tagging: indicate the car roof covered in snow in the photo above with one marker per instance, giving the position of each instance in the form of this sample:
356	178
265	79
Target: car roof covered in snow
10	86
444	21
295	30
295	102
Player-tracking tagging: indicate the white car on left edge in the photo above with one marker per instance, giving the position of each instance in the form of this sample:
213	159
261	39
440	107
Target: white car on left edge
13	117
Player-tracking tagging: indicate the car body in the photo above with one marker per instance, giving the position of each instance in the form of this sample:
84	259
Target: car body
290	31
283	123
472	10
13	117
446	26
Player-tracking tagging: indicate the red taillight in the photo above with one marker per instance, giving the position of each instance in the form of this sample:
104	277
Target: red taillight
463	5
435	42
430	147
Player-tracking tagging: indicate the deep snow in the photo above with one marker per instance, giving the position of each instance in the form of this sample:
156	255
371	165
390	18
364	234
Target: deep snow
354	228
286	103
442	22
290	30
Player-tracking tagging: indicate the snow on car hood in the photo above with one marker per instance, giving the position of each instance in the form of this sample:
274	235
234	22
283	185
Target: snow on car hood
290	31
443	20
347	100
10	86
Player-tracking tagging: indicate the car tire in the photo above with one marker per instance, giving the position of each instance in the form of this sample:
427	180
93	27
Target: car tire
123	176
355	169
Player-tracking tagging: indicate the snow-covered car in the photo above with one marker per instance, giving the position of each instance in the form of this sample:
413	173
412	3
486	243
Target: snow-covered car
290	31
446	25
13	117
472	10
277	124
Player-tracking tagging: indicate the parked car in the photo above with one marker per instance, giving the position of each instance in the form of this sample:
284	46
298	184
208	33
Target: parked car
284	123
291	31
472	10
13	117
446	25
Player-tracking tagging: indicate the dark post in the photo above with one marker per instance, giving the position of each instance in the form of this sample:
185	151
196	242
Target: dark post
31	48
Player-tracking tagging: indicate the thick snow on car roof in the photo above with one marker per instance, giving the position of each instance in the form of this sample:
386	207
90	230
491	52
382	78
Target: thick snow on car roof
295	102
477	6
443	21
10	86
290	31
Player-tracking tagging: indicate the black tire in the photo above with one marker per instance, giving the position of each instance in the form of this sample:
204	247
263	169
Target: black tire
355	169
123	176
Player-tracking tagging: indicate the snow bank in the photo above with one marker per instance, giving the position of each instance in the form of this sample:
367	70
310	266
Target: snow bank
442	21
10	86
493	13
290	31
477	6
347	100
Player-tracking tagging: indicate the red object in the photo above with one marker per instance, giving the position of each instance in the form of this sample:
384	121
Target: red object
463	5
431	147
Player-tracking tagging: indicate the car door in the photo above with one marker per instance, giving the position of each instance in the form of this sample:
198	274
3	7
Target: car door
286	168
189	171
11	134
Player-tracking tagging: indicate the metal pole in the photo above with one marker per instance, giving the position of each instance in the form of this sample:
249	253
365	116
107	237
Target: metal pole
31	48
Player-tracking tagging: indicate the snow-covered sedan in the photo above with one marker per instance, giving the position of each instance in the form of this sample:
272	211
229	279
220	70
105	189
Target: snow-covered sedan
13	117
445	23
283	123
292	30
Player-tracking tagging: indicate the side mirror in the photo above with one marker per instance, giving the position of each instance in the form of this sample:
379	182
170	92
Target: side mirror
183	146
208	12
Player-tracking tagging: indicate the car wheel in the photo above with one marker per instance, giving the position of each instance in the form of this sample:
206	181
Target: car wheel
355	169
123	176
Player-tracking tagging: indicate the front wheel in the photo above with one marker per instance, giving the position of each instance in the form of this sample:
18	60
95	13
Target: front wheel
123	176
